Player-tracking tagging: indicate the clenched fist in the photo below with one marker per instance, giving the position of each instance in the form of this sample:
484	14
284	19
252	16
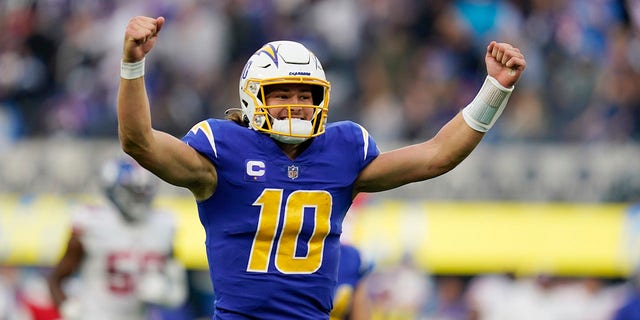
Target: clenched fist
140	36
505	63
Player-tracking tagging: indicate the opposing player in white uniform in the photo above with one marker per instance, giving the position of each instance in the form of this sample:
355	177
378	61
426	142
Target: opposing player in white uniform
121	252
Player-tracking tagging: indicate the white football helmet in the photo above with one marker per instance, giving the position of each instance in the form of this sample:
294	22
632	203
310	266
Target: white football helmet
130	187
281	62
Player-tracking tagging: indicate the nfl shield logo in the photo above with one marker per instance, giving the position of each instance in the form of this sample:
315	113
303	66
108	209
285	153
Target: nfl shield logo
292	172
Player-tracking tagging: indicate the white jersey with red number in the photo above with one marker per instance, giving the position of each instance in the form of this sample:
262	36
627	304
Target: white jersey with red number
117	253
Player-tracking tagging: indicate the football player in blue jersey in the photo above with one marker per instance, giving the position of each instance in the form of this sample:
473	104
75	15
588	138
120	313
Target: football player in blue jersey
351	299
273	186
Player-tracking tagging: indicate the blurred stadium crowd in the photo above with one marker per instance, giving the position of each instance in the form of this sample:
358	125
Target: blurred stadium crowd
399	67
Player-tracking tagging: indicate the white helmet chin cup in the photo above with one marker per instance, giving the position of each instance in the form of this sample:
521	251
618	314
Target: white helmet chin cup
283	62
297	132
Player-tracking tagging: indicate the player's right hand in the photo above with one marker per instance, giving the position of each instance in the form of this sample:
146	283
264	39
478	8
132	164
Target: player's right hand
140	36
70	309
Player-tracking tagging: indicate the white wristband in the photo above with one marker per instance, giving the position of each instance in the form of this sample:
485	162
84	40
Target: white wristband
131	70
487	106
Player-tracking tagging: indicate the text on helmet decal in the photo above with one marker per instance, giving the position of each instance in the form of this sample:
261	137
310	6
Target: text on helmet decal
299	73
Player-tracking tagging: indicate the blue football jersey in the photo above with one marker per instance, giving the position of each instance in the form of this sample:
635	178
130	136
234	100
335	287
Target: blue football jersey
273	224
352	268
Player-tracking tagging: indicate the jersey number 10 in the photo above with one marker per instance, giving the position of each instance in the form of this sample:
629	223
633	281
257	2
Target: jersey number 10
286	260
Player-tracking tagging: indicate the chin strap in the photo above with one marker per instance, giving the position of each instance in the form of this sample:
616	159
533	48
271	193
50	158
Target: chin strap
288	139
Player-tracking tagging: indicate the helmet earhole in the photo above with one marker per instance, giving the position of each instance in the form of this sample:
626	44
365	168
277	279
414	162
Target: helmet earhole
317	94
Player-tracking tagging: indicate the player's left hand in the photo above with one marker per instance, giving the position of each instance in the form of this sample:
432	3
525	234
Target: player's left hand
70	309
505	63
152	287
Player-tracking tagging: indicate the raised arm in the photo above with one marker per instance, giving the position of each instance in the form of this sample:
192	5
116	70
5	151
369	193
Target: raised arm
164	155
455	141
68	264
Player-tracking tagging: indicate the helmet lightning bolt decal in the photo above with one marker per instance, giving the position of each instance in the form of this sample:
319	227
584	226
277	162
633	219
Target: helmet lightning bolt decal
270	51
206	129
